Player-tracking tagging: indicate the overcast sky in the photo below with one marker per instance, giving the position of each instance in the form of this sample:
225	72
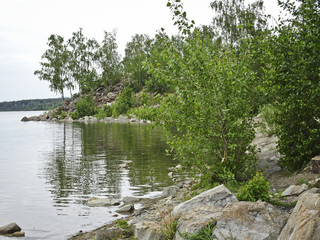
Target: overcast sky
25	26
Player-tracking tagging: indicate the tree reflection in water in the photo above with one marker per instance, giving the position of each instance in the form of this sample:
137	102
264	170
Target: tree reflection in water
85	161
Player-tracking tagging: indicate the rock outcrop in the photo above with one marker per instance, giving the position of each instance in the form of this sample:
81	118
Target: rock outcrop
197	212
125	209
102	202
294	190
250	220
216	197
304	222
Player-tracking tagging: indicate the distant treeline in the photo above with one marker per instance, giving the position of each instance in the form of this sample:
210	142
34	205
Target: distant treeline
31	105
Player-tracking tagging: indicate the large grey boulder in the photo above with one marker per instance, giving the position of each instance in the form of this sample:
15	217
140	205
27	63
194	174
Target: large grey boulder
102	202
304	222
197	212
130	200
10	228
250	221
294	190
125	209
216	197
169	191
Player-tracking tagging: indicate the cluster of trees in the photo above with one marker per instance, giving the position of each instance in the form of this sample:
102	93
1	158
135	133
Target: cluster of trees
211	80
31	105
82	64
224	75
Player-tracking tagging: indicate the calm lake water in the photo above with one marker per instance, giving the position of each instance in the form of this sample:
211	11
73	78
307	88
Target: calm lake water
48	170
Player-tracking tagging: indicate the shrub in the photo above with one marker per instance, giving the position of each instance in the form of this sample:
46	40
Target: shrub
127	230
125	101
74	115
255	189
85	107
105	112
63	115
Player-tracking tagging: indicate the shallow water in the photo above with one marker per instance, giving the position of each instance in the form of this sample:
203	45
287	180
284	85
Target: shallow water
48	170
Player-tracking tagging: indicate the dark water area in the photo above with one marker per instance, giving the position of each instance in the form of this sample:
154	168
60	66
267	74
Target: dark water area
48	171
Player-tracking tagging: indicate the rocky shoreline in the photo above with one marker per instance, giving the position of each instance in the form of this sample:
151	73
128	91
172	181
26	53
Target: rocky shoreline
245	220
87	119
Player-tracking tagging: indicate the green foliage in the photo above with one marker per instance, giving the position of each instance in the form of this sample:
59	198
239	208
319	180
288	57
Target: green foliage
85	107
255	189
54	64
105	112
235	21
169	226
125	101
109	60
205	233
74	115
63	115
127	230
80	62
269	114
207	117
293	79
136	53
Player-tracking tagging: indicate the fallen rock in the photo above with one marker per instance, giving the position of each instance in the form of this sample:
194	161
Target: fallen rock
197	212
294	190
125	208
111	96
216	197
250	220
304	222
147	231
10	228
197	218
169	191
102	202
109	233
130	200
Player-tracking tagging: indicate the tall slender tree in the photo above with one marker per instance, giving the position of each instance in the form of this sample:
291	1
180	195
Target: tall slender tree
83	55
54	65
109	60
137	51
